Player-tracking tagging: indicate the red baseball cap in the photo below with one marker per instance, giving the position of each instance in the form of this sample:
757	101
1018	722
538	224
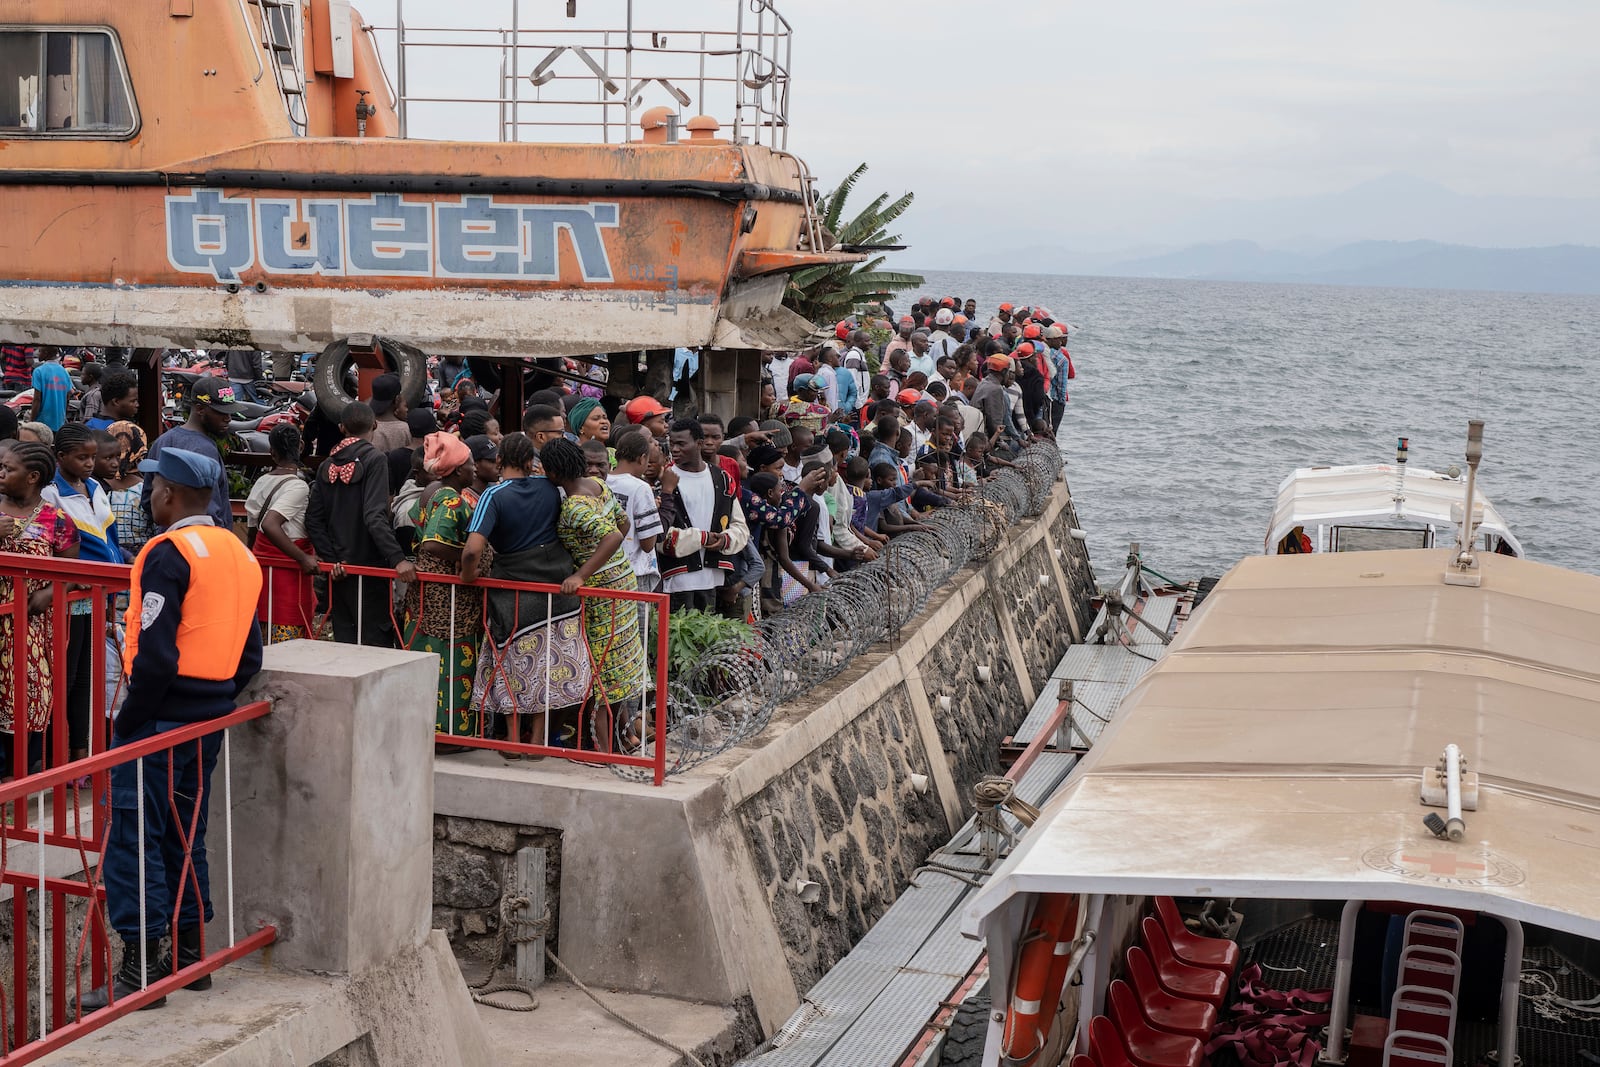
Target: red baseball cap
961	319
1031	330
643	407
1024	349
907	318
908	396
1005	307
947	302
842	330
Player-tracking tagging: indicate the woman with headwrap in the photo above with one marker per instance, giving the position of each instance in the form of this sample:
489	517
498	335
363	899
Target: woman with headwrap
440	617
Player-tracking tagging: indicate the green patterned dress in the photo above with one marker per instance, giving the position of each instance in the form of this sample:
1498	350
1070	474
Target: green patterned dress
612	626
432	625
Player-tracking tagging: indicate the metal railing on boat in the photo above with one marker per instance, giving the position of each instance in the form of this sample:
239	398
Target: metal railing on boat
741	77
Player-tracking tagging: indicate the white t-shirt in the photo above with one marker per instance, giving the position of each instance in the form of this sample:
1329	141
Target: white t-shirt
971	420
638	502
780	368
824	522
699	496
289	494
830	386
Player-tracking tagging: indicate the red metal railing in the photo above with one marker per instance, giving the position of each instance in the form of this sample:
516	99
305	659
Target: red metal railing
38	1019
60	806
467	607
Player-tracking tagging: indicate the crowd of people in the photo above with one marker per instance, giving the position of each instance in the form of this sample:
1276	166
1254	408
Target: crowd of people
582	492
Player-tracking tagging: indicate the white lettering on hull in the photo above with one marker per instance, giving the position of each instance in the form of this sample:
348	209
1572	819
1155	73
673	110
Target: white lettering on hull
385	235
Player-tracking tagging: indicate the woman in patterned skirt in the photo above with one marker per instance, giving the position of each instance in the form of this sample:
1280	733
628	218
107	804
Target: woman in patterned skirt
442	618
535	660
590	527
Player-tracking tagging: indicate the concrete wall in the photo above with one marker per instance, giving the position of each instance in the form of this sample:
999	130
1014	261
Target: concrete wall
688	889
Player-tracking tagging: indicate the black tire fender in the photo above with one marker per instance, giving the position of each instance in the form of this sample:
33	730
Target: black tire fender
969	1028
328	377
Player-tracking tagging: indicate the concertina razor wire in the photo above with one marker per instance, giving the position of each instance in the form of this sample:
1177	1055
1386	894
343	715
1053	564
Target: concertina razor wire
730	694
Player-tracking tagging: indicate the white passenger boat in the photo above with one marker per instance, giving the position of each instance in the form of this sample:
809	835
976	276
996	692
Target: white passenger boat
1379	506
1380	770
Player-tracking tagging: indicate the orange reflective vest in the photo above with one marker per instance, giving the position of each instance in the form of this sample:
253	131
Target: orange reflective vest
218	610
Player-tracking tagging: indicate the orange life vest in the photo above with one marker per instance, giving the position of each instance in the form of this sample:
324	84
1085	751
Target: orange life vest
218	609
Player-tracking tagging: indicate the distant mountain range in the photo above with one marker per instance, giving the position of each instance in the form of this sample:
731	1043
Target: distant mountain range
1404	264
1436	238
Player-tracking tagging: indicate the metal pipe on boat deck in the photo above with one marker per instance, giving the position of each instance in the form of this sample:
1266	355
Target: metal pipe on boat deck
400	62
1339	1008
516	70
1510	992
1455	826
1088	990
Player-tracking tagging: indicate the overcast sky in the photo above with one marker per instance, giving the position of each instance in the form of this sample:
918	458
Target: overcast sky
1097	124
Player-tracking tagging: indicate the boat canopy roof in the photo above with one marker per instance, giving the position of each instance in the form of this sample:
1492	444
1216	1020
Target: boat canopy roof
1364	496
1277	749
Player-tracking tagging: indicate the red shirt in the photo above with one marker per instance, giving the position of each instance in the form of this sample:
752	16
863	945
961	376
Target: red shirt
730	467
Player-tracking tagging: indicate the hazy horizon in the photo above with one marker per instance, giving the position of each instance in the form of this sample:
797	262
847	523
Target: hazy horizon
1163	124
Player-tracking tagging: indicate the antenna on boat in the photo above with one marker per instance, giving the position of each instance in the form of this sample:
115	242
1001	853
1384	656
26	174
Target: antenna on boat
1402	452
1463	570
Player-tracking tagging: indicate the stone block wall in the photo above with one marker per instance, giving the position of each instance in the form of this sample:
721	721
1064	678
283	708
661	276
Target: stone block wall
474	866
981	712
848	818
1029	593
1074	562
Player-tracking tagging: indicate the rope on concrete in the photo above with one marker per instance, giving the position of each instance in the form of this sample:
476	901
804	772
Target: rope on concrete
515	930
624	1020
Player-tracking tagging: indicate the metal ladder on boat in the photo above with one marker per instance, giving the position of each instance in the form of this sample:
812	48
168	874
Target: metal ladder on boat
280	39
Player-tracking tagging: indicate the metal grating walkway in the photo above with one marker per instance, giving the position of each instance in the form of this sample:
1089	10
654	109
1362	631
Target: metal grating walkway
1101	675
870	1008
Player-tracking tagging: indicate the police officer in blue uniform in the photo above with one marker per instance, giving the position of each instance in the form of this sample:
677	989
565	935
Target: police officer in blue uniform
192	645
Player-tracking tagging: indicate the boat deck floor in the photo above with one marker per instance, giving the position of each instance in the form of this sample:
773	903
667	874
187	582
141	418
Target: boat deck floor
1302	955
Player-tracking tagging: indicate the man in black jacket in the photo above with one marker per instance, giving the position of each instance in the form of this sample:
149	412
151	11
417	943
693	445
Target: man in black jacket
348	522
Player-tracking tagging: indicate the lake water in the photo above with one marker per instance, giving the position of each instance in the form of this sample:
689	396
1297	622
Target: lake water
1194	399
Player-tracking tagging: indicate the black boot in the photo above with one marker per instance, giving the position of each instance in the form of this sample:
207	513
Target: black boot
189	954
126	980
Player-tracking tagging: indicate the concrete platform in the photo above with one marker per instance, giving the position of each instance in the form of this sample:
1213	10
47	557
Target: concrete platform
255	1015
568	1028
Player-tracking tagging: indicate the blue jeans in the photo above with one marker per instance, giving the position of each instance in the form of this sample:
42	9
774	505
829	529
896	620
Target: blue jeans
246	391
164	881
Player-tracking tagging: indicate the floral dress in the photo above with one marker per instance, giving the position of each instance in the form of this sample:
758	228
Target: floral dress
431	623
46	532
615	644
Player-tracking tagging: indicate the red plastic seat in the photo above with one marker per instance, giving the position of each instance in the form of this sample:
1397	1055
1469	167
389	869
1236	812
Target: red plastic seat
1162	1010
1194	948
1146	1045
1105	1044
1179	978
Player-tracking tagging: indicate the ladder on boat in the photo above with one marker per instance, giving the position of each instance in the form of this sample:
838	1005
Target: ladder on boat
1422	1020
280	39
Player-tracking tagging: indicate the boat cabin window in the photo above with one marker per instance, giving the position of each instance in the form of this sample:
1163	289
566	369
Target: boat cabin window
63	83
1379	538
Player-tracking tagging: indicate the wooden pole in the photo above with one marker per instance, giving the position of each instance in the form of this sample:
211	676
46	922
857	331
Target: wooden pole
530	884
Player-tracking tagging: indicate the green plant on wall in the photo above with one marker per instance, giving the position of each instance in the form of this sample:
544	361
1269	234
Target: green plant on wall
694	633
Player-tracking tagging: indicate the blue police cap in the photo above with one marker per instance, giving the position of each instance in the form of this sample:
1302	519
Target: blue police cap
182	467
